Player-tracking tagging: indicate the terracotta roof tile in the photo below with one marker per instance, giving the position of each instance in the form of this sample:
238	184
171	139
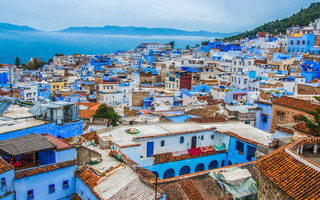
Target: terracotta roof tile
42	169
61	145
289	174
4	166
294	103
168	157
301	126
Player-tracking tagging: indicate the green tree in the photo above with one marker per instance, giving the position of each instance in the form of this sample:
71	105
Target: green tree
313	125
205	43
172	44
188	47
17	61
108	113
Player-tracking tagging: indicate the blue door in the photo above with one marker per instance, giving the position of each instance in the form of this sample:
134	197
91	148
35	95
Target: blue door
150	149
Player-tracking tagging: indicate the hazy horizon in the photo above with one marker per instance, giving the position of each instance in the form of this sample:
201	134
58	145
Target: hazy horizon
207	15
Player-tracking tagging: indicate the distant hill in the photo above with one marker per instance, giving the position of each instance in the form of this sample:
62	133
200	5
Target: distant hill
12	27
142	31
302	18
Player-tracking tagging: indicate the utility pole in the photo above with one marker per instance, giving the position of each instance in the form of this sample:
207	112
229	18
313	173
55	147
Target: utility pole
155	198
11	80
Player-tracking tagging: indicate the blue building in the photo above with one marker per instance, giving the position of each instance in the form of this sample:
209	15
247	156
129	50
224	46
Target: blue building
42	168
177	149
59	119
310	70
44	90
300	43
263	115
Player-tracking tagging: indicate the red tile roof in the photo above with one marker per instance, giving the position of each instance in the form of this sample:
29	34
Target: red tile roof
61	145
88	177
289	173
43	169
4	166
294	103
301	126
168	157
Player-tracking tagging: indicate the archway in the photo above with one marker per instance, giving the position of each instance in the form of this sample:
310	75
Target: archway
184	170
229	162
222	164
213	164
156	173
199	167
169	173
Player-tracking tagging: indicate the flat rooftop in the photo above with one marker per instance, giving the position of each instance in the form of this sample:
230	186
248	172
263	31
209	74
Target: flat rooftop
120	137
243	130
16	118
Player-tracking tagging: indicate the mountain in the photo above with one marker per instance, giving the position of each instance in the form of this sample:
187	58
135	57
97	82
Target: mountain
142	31
12	27
302	18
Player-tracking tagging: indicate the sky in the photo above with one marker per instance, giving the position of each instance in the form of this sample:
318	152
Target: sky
192	15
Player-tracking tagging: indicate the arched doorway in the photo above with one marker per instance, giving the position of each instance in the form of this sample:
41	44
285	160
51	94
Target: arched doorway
156	173
184	170
199	167
169	173
229	162
222	164
213	164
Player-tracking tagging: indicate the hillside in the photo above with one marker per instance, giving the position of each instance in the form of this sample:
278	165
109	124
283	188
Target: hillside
142	31
302	18
12	27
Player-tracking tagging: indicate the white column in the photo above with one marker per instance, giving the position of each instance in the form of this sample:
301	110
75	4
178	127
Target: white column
301	149
315	148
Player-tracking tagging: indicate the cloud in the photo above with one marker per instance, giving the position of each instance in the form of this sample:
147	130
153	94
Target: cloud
212	15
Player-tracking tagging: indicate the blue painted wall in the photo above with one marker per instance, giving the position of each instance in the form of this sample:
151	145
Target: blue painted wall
263	117
300	44
65	155
47	157
66	130
192	163
9	187
40	184
84	191
234	156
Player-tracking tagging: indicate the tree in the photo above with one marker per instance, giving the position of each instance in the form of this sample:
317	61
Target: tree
107	112
172	44
205	43
313	125
188	47
17	61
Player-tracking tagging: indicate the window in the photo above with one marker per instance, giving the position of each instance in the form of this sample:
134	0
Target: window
162	143
251	153
303	42
265	119
212	137
240	147
52	188
247	122
201	137
298	42
280	118
181	139
3	182
30	194
65	184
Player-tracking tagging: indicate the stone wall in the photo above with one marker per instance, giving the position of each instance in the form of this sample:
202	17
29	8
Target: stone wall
289	115
307	90
268	191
